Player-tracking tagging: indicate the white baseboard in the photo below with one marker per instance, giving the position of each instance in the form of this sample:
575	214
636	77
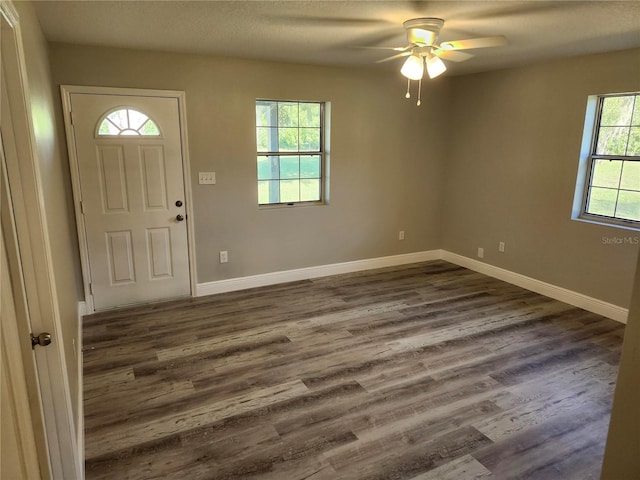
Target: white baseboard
242	283
82	311
558	293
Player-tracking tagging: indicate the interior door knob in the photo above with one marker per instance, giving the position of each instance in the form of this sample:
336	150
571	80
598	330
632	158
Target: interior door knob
179	218
43	339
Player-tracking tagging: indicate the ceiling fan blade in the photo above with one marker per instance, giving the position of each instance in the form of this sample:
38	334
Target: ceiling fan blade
452	55
326	21
393	57
395	49
470	43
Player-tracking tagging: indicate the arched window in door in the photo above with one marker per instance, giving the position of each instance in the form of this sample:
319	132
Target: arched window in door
127	121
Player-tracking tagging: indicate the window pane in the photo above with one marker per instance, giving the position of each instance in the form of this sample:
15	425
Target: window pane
265	139
309	114
268	191
602	201
149	128
617	111
119	118
633	147
136	119
628	205
290	167
612	140
636	111
289	191
309	190
310	166
266	114
630	176
287	114
288	139
606	173
268	168
309	139
108	128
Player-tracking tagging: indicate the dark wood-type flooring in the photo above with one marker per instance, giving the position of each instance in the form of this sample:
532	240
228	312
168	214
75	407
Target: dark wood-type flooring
426	371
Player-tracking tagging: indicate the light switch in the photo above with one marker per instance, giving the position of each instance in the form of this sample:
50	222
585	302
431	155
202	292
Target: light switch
207	178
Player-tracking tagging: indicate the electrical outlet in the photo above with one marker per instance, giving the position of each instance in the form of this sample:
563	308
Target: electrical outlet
401	235
207	178
501	247
480	252
224	256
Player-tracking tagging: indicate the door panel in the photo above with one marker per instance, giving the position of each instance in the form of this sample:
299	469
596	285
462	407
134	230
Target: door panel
155	180
120	257
137	248
112	179
159	252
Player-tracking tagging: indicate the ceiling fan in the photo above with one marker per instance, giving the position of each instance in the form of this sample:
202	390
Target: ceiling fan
424	50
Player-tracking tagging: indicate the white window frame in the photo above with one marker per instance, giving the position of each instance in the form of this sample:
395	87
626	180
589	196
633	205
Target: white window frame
323	153
588	156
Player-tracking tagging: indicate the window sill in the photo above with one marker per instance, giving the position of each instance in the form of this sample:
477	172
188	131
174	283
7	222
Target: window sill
608	223
275	206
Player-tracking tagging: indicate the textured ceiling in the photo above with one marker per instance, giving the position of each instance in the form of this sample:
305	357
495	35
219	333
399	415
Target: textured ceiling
331	32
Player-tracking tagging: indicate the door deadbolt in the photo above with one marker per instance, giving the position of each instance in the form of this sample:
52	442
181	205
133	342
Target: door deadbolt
43	339
179	203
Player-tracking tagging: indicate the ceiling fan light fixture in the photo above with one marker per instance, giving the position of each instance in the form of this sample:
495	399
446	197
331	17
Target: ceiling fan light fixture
413	67
435	67
423	31
422	37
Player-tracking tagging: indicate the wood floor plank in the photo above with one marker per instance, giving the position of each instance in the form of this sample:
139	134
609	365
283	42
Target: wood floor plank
462	468
424	371
137	432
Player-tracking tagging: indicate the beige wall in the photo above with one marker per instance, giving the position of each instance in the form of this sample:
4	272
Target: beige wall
489	157
511	173
387	156
54	171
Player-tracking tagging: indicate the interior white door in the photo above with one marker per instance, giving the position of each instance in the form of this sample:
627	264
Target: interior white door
129	155
22	443
31	279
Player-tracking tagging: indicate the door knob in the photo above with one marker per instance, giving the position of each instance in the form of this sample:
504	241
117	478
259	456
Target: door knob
43	339
179	218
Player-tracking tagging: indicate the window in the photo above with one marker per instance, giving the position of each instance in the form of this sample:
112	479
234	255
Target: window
291	154
611	175
127	121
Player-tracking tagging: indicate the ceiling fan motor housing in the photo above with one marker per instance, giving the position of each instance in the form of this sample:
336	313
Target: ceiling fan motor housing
423	31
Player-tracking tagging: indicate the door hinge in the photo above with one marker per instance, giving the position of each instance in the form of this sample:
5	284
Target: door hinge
90	289
82	207
73	119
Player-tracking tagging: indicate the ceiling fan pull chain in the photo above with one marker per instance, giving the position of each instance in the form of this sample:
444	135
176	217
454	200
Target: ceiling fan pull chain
408	95
419	92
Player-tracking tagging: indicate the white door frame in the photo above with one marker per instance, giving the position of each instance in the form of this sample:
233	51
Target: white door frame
66	91
30	243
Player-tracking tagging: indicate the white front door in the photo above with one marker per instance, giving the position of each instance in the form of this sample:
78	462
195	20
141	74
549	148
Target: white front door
130	164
